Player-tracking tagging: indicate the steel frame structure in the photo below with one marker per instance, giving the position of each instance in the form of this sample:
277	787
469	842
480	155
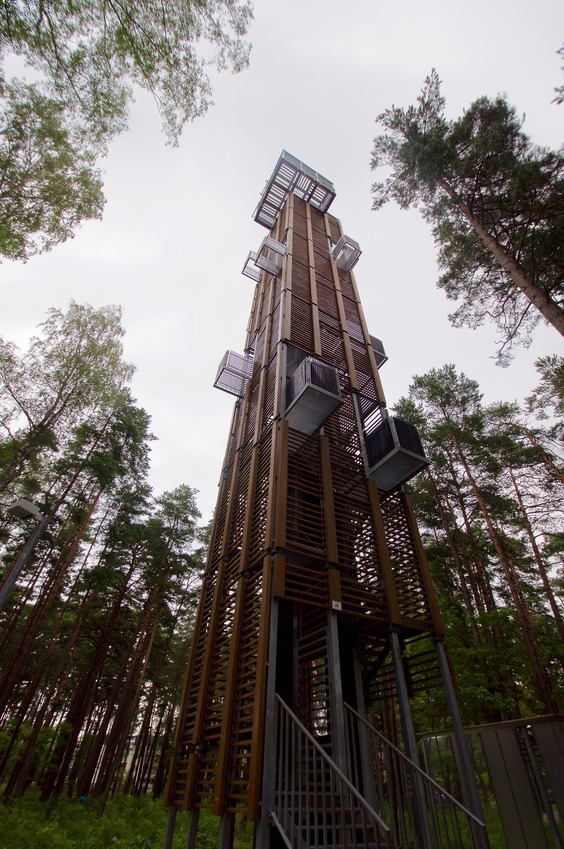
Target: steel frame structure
316	589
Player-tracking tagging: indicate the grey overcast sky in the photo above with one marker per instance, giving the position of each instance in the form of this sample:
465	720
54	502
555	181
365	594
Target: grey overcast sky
178	222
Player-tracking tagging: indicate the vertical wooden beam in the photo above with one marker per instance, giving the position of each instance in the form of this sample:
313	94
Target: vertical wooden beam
225	741
329	521
252	324
279	579
286	278
263	831
258	731
214	616
278	488
313	285
436	617
384	555
219	792
342	317
366	334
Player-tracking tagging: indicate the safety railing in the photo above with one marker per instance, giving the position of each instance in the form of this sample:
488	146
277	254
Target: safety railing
315	805
420	813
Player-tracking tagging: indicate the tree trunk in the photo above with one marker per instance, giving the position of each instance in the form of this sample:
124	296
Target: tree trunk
538	560
543	682
540	299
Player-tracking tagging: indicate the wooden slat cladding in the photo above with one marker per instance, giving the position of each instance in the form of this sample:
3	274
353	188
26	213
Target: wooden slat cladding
412	596
296	519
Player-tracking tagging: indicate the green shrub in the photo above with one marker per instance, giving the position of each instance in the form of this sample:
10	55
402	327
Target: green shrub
127	823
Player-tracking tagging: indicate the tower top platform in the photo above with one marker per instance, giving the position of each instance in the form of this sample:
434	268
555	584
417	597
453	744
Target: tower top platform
291	175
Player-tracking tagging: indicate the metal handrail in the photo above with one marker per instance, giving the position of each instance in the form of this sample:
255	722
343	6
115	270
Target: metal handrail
315	803
402	788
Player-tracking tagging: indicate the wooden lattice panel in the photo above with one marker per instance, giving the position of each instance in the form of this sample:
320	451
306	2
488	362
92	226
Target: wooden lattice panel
185	738
240	752
275	333
305	526
306	581
298	520
299	246
259	344
239	500
252	409
300	280
259	515
341	427
346	284
234	434
268	411
412	597
313	702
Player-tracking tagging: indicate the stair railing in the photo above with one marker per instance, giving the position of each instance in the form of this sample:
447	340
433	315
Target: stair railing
404	794
315	805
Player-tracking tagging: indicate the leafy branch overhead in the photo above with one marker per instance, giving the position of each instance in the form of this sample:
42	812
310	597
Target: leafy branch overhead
496	203
89	55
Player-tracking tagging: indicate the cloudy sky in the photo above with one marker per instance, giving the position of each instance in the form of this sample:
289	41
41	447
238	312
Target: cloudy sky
178	222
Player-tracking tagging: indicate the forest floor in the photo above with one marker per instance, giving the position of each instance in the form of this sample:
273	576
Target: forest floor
127	823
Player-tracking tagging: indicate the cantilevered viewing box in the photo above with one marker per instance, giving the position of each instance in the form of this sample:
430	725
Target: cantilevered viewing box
233	373
312	393
395	453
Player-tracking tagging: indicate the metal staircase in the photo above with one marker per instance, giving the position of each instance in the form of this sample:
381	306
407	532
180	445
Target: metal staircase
317	806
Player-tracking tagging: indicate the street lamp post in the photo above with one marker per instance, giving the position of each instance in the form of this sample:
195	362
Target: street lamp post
23	510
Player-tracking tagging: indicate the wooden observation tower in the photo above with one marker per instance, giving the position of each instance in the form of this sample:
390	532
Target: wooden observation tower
317	619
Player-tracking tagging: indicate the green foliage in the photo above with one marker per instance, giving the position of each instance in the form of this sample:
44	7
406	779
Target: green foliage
73	370
127	823
89	55
96	632
496	204
492	493
48	184
548	397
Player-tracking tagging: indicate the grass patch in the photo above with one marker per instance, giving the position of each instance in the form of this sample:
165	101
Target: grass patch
127	823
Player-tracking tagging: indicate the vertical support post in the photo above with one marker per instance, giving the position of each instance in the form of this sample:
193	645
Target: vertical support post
192	830
226	831
258	732
338	734
368	767
262	832
468	780
410	740
407	726
170	823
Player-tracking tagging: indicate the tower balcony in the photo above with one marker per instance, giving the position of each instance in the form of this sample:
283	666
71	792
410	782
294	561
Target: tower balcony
251	269
291	175
312	394
346	253
270	255
394	453
234	373
379	352
268	258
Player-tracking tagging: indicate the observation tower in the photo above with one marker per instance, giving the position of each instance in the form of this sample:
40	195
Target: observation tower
317	621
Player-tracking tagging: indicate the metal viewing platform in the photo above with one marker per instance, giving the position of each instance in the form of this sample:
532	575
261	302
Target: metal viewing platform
291	175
